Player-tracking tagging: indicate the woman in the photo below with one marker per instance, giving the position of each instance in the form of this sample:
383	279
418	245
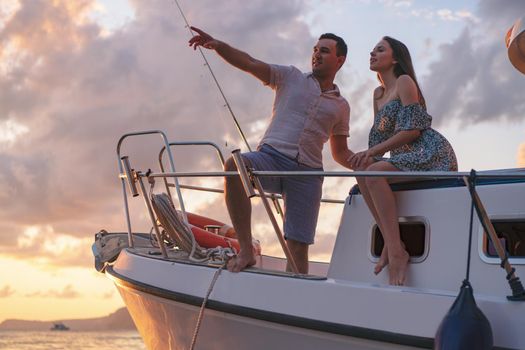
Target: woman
401	127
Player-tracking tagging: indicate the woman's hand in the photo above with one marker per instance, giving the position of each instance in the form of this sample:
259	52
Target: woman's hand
361	159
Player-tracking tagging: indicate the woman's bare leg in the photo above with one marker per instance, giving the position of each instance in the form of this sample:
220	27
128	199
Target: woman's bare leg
363	188
385	205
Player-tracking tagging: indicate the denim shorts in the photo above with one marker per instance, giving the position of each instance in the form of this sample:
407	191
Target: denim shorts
301	195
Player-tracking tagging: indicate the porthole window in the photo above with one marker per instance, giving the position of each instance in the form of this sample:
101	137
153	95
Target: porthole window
414	234
511	234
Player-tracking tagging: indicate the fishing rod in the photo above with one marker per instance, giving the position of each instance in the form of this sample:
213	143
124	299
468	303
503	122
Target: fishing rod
236	122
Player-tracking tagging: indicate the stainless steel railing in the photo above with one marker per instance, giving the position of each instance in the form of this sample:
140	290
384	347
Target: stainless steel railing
251	179
191	143
125	172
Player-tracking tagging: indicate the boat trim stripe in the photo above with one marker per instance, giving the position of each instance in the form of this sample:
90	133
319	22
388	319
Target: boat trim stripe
274	317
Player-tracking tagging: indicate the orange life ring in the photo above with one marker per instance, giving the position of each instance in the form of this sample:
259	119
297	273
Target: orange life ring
207	239
203	221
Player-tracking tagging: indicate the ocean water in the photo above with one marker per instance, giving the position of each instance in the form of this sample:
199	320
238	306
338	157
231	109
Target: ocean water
51	340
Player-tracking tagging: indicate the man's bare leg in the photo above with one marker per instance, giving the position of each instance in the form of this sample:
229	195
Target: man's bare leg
240	210
299	251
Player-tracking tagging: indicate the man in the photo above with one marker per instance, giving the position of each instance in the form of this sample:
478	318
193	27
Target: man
308	110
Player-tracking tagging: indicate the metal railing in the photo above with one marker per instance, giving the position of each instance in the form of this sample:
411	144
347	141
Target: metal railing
251	182
126	172
419	175
191	143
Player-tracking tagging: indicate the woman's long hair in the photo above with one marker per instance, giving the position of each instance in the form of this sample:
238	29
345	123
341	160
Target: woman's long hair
404	64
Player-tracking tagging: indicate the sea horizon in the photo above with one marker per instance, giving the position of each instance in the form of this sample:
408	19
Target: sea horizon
78	340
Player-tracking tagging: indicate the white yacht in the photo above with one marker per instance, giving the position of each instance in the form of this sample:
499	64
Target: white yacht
180	296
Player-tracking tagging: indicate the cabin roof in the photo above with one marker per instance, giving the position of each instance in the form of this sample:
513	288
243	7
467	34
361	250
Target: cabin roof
425	183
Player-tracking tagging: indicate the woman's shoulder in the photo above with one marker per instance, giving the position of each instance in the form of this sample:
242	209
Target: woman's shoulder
378	92
405	82
407	89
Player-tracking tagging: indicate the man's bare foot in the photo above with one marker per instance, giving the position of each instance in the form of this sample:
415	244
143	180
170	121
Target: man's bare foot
397	267
383	261
240	262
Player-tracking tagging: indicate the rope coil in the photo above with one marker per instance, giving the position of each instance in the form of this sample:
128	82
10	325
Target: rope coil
175	227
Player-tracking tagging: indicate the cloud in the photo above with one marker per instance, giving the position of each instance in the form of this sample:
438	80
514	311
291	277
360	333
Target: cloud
473	81
444	14
10	131
397	3
6	292
67	293
43	245
69	90
449	15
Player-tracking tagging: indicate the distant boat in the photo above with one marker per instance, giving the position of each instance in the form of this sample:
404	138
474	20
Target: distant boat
59	326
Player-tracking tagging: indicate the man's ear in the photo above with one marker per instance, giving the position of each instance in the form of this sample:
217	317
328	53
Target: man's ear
341	60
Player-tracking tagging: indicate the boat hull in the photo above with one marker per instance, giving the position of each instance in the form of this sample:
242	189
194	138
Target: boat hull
342	304
259	309
169	324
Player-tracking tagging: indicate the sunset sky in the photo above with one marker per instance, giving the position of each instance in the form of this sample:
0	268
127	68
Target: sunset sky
76	75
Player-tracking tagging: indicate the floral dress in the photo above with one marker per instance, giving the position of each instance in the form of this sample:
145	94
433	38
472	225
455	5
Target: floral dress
429	152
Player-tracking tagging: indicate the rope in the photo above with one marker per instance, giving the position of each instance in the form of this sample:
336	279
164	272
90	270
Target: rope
181	233
469	241
203	306
174	226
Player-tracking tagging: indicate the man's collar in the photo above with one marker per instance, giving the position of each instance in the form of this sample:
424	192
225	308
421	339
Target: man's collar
335	91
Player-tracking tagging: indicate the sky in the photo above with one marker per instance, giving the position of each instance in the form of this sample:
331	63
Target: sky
76	75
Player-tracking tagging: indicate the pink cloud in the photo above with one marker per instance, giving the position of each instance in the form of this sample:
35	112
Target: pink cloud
76	90
67	293
6	292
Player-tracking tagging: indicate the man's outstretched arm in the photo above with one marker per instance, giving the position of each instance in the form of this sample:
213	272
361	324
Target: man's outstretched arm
233	56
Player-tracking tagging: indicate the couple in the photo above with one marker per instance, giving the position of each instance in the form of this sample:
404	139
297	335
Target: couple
308	111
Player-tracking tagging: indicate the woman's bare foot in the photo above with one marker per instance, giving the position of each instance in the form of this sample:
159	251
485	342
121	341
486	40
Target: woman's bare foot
397	267
383	261
241	261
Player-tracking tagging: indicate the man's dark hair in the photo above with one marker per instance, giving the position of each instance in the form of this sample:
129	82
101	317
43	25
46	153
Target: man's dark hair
341	48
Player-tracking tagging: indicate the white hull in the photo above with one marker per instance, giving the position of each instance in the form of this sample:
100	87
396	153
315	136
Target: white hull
220	330
255	310
267	314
